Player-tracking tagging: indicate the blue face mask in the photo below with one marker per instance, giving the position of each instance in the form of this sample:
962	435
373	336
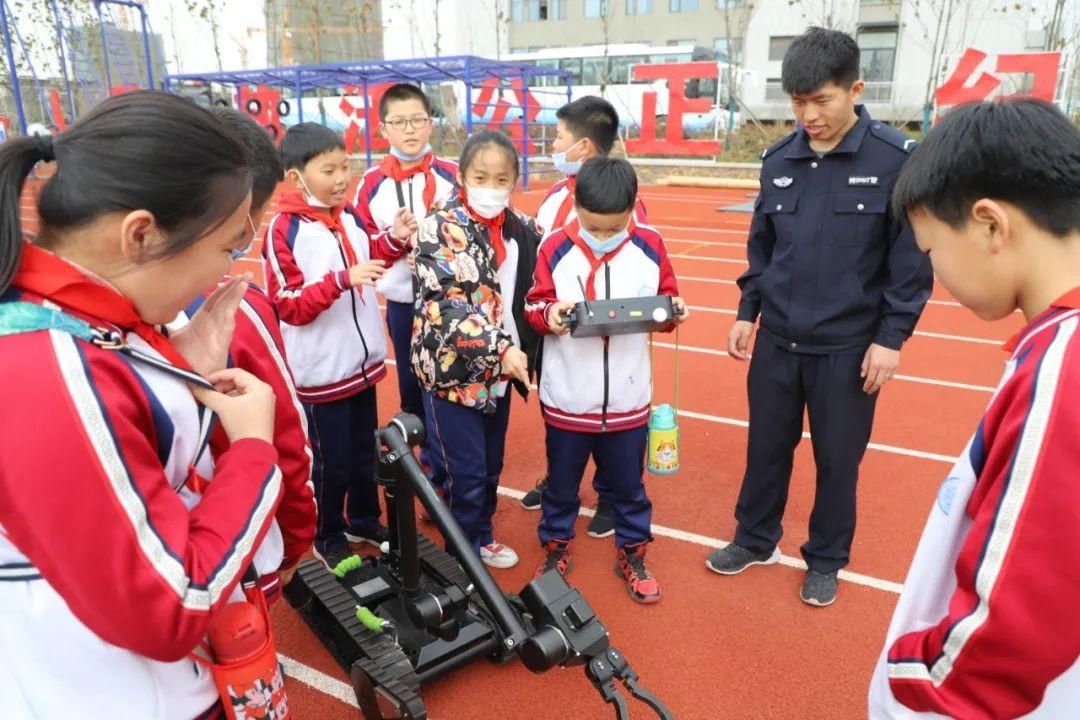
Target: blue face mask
409	158
566	167
237	254
602	247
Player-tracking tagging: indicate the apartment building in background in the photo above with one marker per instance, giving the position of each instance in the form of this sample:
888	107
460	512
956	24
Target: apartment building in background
896	38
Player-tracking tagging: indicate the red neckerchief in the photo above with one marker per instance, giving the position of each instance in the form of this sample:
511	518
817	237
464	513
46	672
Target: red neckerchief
50	276
573	231
1068	301
391	168
567	203
293	203
494	226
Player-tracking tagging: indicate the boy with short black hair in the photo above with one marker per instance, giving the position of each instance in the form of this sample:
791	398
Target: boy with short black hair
411	181
838	284
986	623
586	128
595	393
321	271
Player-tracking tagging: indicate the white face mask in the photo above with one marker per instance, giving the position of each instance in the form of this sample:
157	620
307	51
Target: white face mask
566	167
309	198
488	202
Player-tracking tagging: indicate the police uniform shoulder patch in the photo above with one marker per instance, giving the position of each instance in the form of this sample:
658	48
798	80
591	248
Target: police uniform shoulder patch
892	136
777	146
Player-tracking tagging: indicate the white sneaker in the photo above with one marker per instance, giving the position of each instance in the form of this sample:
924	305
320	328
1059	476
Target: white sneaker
498	555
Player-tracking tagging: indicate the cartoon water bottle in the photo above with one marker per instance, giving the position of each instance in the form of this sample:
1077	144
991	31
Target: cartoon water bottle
663	447
663	440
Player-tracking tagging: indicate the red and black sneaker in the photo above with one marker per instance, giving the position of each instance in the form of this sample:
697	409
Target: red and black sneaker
557	558
630	566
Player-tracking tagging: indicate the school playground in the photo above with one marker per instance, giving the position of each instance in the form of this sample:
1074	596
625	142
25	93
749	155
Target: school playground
743	647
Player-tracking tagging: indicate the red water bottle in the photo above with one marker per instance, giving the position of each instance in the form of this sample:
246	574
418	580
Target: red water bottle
238	633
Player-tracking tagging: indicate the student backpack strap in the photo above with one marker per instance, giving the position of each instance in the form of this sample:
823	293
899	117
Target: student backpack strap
18	317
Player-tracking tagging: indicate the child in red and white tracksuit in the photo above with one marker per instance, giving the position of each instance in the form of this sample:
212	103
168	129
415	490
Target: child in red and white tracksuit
595	393
321	266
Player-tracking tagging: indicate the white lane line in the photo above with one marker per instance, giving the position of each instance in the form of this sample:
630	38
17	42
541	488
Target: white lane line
684	228
880	447
708	259
706	243
318	680
906	378
711	542
921	333
961	338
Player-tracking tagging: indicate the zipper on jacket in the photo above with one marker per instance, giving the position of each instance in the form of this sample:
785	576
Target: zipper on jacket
607	296
356	322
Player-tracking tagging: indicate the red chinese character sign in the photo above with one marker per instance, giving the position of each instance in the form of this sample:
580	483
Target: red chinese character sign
364	115
523	99
962	88
673	142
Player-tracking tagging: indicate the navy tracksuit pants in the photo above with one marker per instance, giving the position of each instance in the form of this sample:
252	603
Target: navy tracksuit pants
620	460
399	324
468	448
342	436
780	385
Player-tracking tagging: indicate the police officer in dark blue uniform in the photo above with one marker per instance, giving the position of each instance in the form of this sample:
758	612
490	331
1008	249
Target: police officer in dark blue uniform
838	284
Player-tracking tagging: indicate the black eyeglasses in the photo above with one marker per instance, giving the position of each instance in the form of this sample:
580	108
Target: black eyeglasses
420	121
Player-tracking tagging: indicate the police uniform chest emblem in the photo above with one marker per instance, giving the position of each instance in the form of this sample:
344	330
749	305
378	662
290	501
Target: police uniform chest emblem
782	182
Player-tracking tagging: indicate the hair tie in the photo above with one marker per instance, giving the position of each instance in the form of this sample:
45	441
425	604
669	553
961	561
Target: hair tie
44	145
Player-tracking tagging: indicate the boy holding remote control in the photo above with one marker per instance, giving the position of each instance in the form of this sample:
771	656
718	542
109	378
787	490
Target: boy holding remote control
595	392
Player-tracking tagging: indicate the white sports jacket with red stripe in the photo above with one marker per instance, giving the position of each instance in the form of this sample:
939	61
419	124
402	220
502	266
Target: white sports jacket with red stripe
377	203
596	384
334	334
986	626
107	581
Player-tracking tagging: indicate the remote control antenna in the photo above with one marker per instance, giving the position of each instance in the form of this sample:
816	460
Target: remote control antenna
585	296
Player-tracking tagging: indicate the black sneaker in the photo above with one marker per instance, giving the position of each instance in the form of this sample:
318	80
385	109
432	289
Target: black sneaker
374	536
732	559
602	524
557	558
531	501
819	589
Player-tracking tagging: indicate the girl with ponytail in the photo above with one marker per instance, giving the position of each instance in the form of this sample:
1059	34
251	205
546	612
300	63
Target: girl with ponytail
108	583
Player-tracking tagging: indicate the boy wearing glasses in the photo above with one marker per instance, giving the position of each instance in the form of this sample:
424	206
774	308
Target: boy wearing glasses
411	182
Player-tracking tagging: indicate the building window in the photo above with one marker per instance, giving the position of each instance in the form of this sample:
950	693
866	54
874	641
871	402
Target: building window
532	10
725	4
774	91
682	5
877	48
734	54
778	46
595	8
638	7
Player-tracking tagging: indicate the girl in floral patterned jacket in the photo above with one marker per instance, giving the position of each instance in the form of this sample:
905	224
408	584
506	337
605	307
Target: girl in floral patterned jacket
474	264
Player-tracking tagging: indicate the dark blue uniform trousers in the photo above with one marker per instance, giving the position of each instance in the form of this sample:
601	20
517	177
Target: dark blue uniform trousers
468	447
780	385
399	323
342	436
620	460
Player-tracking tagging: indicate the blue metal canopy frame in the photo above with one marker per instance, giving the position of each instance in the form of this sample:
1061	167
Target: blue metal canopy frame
467	69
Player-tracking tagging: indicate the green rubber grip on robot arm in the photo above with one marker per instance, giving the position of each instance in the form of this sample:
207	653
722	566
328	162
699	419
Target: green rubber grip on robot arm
369	619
